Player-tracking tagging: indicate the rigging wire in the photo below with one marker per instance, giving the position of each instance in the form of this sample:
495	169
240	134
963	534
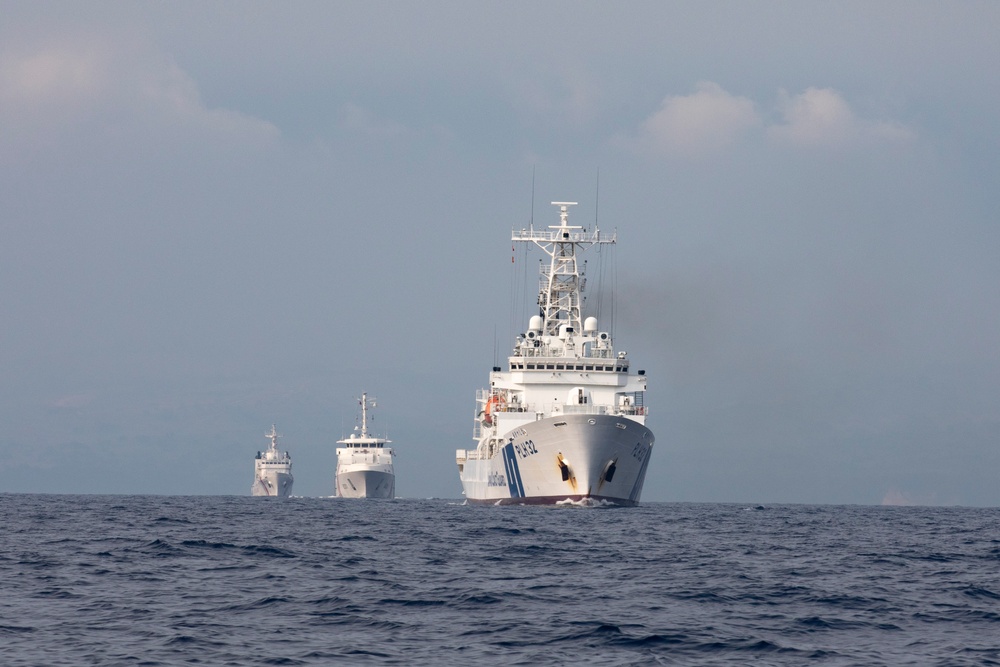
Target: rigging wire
519	275
614	290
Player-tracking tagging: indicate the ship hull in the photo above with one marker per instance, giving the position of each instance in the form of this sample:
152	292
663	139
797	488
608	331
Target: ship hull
366	483
584	459
277	484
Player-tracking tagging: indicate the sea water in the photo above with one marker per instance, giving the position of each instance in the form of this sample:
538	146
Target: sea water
160	580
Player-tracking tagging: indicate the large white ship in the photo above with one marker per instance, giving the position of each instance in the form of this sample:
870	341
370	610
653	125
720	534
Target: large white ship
272	470
566	422
364	463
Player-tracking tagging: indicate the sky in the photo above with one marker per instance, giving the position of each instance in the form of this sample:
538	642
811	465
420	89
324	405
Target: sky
219	216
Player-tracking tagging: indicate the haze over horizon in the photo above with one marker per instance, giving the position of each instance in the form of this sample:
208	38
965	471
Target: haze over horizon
220	216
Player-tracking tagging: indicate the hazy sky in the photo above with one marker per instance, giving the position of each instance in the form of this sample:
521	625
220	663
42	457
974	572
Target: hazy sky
215	216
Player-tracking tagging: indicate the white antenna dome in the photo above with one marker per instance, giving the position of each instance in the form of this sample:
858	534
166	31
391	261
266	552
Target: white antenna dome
535	323
590	325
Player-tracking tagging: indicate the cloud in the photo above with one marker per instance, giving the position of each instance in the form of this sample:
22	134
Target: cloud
822	118
174	96
711	120
700	124
359	120
50	87
70	83
73	401
51	75
570	96
897	498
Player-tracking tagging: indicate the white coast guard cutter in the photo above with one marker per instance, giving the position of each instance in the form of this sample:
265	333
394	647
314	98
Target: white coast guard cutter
566	422
364	463
272	470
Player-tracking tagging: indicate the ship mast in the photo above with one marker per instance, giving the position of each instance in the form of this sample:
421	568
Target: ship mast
364	414
273	435
561	284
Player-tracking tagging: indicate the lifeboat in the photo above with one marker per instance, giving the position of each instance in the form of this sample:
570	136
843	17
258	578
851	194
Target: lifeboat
496	403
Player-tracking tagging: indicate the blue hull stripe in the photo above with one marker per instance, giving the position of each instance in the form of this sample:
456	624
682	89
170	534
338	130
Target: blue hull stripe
513	472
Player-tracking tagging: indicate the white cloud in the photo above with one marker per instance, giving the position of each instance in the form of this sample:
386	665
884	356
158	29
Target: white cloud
702	123
570	96
51	75
73	401
711	120
359	120
822	118
48	89
174	96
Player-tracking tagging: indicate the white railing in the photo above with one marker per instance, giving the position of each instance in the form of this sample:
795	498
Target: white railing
562	236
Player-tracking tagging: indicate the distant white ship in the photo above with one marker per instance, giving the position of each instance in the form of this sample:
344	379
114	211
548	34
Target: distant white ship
566	422
272	470
364	463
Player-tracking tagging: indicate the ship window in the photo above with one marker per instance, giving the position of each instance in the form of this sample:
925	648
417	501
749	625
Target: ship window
560	367
531	367
549	367
588	368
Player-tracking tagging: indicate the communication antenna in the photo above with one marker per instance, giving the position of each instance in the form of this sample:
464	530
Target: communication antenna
531	220
597	196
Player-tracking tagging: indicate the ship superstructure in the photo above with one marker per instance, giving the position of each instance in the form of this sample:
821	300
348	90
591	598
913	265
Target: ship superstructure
364	463
565	423
272	470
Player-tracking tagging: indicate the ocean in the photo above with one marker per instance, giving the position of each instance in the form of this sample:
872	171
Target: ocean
217	580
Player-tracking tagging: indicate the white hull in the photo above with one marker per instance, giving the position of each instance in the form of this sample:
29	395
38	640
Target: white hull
364	463
603	459
272	470
565	422
359	482
273	483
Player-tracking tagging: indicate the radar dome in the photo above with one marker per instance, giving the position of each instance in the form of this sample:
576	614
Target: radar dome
535	323
590	325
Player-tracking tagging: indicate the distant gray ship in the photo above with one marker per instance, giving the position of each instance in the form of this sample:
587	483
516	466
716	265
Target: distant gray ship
272	470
